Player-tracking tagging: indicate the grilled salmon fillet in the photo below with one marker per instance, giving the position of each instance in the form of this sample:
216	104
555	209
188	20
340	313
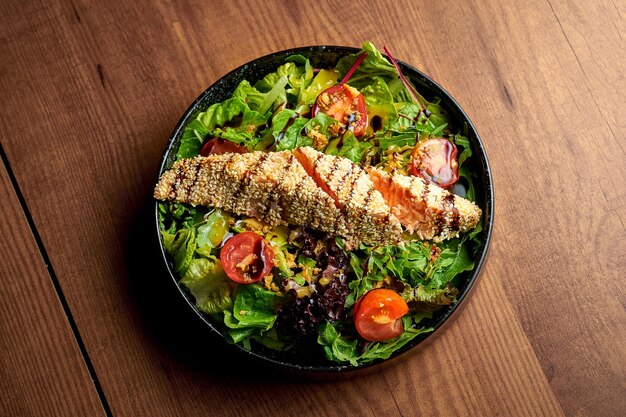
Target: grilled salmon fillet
324	192
273	187
353	192
425	209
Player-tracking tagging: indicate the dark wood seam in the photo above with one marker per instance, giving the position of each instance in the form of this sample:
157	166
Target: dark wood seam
55	283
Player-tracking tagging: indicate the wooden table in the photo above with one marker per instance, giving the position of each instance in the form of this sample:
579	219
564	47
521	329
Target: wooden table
90	92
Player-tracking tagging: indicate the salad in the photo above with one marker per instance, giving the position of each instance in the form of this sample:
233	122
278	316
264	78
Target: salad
302	291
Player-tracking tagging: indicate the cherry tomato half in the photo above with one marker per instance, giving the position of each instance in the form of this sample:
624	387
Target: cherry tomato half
344	104
377	315
435	161
217	146
246	258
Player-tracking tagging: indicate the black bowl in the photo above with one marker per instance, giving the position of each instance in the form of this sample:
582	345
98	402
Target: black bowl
327	57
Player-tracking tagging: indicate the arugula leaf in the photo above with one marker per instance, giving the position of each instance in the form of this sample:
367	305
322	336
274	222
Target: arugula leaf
437	115
409	111
464	143
351	147
439	129
383	350
474	233
453	260
399	92
292	137
341	348
336	347
464	173
422	299
399	140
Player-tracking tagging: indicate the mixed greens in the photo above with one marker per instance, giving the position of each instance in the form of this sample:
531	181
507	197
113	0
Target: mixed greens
307	303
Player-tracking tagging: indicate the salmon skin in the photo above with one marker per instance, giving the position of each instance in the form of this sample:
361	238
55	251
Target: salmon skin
324	192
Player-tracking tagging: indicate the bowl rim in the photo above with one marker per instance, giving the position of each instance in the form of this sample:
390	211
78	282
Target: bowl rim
442	322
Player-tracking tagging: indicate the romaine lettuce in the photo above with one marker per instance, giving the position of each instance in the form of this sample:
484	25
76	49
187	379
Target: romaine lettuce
208	283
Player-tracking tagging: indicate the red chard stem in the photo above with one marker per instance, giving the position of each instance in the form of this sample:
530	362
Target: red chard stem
404	80
353	68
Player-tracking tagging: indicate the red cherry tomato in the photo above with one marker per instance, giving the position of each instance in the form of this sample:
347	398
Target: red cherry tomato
246	258
344	104
217	146
435	161
377	315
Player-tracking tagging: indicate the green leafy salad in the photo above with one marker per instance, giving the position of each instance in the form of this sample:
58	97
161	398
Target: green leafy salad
303	291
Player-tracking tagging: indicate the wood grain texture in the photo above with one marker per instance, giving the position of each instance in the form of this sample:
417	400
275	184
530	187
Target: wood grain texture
42	372
94	90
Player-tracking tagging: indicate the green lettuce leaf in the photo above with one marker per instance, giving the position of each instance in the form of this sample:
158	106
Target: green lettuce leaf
211	234
297	77
323	124
289	70
379	101
374	64
262	102
235	334
191	140
254	307
273	341
217	120
298	132
182	248
208	283
252	314
323	80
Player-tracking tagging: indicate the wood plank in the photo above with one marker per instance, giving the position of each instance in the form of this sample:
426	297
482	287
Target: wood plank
42	371
563	152
115	79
